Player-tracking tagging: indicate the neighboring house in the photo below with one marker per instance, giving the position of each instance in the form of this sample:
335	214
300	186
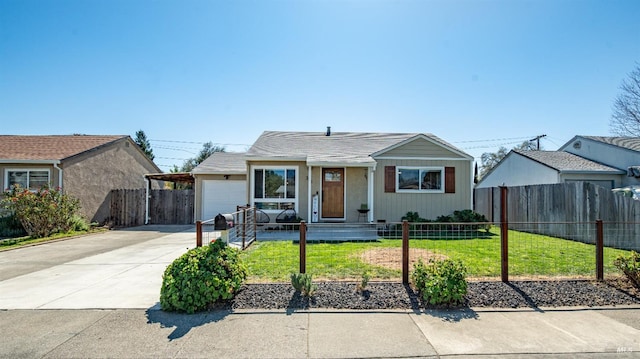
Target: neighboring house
328	177
84	166
220	184
610	162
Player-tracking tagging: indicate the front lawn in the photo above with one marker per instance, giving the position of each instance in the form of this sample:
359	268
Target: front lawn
530	256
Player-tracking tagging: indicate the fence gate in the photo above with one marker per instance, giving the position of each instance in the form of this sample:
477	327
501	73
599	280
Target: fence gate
128	207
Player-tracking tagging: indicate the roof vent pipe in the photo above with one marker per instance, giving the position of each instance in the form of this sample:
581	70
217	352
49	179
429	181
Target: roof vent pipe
328	130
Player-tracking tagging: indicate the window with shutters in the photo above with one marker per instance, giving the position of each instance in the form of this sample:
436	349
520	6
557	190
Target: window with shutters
420	179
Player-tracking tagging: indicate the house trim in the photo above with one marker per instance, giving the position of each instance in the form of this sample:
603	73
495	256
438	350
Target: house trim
252	189
422	158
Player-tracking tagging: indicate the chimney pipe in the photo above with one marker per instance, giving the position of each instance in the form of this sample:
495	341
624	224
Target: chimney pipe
328	130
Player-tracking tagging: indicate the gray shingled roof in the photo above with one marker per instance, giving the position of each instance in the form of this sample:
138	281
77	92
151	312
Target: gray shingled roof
340	147
228	163
631	143
567	162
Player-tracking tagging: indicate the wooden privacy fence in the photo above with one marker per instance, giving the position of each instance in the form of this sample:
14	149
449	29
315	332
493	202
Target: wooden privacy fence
567	204
128	207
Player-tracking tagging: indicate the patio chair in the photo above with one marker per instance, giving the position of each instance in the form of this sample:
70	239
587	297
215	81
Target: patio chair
287	216
262	217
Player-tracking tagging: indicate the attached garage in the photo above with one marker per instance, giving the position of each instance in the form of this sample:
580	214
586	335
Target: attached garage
220	184
222	196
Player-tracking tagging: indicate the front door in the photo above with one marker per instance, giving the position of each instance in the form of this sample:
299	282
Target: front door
333	193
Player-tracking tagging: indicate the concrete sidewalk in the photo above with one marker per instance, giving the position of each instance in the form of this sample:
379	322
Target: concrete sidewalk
569	333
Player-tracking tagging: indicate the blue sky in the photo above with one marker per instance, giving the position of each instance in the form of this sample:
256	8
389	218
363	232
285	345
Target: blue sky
479	74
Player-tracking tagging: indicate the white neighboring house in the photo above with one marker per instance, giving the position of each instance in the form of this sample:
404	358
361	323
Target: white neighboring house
618	152
611	162
220	184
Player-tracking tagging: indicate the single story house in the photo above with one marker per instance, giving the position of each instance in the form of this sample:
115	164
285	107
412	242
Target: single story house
345	176
610	162
85	166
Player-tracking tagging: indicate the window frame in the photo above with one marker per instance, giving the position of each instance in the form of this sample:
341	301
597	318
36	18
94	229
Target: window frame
295	200
421	170
28	170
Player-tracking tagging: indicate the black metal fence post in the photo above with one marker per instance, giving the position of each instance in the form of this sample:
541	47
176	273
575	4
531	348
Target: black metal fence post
303	247
599	250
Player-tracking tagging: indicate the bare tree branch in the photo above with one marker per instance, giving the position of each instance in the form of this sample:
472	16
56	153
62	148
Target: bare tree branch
625	117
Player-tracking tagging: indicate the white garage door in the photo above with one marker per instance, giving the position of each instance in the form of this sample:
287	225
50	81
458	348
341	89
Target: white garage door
222	197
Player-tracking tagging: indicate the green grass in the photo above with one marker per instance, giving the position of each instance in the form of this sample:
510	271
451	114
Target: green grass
530	255
13	243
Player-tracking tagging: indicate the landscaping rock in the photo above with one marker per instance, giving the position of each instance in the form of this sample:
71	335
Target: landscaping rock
386	295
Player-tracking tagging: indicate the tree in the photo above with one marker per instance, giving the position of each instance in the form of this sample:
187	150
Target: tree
491	159
625	119
207	150
142	142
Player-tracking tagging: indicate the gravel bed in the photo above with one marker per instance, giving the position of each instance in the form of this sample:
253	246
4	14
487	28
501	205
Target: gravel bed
383	295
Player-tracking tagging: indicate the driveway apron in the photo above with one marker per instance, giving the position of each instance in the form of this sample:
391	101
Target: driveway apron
110	270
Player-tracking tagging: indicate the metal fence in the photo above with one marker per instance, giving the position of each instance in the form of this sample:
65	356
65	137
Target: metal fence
490	251
239	230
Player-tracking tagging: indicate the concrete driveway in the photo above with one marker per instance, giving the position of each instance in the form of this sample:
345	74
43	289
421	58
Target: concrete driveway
110	270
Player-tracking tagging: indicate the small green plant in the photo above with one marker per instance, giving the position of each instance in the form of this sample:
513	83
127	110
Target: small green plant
201	277
441	282
630	266
364	281
303	283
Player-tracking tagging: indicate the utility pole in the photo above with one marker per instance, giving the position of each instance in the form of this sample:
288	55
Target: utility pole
537	139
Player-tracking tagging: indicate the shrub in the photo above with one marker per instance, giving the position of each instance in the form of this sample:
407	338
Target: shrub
201	277
303	283
440	281
10	227
43	212
630	266
79	224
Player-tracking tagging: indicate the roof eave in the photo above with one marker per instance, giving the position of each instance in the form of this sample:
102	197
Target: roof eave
42	162
607	172
276	158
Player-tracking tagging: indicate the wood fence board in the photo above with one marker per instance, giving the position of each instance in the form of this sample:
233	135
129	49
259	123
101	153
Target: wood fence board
128	207
573	204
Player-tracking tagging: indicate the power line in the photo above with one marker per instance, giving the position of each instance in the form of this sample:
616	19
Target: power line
202	143
494	140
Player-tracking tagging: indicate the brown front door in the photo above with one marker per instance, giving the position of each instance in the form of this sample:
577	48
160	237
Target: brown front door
332	193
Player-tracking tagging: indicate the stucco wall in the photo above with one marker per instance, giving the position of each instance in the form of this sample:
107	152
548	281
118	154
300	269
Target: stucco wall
91	176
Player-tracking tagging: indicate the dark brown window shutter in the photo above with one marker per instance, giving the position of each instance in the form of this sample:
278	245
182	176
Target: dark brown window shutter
390	179
449	180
